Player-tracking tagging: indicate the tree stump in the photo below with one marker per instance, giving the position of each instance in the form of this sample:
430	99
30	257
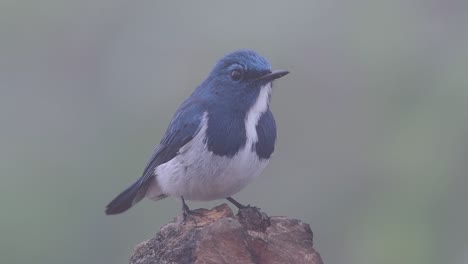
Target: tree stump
217	236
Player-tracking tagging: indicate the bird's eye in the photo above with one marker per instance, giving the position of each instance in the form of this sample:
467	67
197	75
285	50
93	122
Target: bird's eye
236	75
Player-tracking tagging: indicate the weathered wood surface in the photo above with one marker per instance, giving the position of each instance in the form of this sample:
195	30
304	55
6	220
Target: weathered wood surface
218	236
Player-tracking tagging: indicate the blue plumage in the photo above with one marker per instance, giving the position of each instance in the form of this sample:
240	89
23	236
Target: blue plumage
220	138
266	130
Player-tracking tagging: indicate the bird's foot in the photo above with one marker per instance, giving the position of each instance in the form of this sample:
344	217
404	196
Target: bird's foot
251	216
188	214
239	205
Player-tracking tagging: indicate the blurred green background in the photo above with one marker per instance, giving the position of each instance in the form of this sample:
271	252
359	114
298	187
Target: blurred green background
373	121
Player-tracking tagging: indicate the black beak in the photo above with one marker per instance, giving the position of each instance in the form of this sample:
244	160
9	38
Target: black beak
272	76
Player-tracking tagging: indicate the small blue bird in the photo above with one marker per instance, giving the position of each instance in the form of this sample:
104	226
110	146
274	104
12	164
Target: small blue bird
218	141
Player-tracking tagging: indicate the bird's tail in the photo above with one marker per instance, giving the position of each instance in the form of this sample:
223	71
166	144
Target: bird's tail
126	199
134	194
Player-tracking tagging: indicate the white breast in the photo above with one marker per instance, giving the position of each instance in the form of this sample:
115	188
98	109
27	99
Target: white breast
198	174
255	112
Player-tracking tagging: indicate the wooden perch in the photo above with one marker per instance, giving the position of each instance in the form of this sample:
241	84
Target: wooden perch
217	236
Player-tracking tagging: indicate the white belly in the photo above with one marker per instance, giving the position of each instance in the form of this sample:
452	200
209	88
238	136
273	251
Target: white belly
203	176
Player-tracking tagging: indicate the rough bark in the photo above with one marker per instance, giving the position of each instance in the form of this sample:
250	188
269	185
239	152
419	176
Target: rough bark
217	236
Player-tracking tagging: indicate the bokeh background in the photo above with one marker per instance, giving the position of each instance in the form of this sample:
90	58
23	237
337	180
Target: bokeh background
373	121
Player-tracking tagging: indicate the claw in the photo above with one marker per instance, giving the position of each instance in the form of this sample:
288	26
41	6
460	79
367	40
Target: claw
187	213
237	204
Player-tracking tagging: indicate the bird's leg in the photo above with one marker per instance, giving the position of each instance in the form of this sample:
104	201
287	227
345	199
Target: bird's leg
236	203
186	212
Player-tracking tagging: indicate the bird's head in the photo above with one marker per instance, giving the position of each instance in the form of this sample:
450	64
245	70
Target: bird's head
238	77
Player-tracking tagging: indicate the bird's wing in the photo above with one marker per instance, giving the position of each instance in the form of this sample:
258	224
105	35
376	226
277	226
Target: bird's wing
183	127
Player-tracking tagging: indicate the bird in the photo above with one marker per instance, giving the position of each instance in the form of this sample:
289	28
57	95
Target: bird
219	139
